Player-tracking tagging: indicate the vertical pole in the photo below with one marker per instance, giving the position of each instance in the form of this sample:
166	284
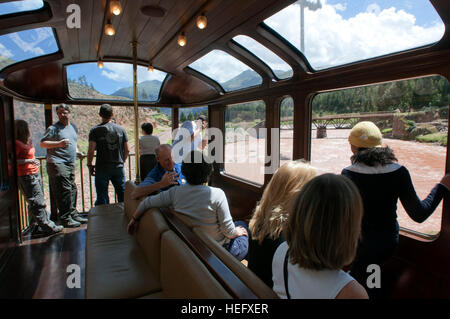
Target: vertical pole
136	114
49	121
302	28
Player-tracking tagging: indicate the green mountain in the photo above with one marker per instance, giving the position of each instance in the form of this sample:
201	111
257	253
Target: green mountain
4	61
147	90
243	80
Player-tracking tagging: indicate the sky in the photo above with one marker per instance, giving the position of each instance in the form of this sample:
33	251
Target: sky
339	32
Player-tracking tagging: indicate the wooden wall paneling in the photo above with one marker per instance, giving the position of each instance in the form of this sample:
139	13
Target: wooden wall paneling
9	217
302	131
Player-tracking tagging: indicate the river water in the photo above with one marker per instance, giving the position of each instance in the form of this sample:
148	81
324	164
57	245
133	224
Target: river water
425	162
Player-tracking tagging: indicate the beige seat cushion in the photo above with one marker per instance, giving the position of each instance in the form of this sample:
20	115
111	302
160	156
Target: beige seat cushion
183	275
130	204
256	285
116	267
150	228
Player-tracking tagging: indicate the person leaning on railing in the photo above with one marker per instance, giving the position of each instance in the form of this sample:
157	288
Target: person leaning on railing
30	181
60	141
382	182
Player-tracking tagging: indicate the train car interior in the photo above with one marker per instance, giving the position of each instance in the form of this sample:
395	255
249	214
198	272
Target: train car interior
277	81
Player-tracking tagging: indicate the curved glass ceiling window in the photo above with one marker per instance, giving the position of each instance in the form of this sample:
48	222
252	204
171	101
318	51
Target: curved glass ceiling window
336	32
112	82
281	69
226	70
20	6
25	45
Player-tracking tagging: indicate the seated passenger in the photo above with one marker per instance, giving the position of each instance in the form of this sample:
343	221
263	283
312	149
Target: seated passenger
164	175
147	147
271	213
203	205
322	234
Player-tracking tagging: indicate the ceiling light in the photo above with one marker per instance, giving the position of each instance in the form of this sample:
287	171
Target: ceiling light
100	64
109	28
115	7
182	39
201	21
150	68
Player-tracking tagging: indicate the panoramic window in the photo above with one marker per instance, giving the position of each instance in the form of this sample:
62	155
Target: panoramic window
336	32
226	70
20	6
24	45
245	141
286	130
411	114
112	82
191	113
281	69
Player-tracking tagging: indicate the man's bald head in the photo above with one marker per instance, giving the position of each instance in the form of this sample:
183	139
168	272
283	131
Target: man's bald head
164	157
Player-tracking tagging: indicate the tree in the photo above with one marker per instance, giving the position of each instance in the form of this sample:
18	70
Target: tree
182	117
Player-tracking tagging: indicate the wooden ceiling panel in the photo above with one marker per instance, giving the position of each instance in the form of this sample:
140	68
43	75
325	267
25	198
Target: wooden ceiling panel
38	83
183	88
162	30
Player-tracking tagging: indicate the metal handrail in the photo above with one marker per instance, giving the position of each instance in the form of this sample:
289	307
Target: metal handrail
25	219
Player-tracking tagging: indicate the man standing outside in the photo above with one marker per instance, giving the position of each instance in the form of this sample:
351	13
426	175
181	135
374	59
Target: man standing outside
164	175
60	140
111	142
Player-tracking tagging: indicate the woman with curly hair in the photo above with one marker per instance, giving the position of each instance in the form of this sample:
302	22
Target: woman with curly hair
270	214
381	182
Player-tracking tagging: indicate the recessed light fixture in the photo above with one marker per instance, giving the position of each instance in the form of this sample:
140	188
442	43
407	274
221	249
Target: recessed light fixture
182	39
115	7
201	21
109	28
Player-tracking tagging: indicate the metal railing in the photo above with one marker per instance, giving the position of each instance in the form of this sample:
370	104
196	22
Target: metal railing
86	197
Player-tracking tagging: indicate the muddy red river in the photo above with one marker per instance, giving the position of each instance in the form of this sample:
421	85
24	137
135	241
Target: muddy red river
425	162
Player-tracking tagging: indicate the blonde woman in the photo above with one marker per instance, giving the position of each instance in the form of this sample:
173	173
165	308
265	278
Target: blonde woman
271	213
322	234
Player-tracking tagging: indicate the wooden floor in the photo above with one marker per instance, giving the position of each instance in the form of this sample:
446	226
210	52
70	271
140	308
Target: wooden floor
38	267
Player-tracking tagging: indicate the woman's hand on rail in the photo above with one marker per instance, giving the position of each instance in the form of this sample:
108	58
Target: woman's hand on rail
446	181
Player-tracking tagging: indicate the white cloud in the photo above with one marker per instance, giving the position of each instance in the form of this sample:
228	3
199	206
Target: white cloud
4	52
219	65
340	7
123	72
36	36
120	72
144	75
28	5
332	40
373	8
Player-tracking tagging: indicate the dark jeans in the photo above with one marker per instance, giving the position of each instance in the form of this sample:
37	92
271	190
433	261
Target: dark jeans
375	248
238	246
102	178
31	187
62	185
147	163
